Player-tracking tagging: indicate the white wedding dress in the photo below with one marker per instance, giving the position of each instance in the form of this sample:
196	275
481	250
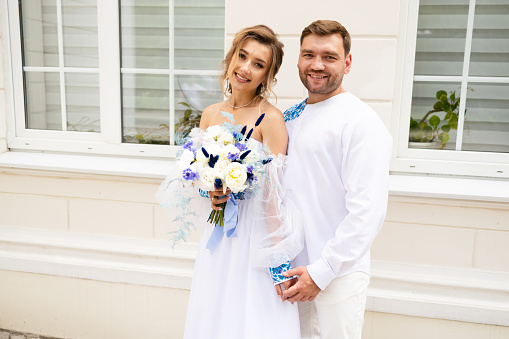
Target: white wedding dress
230	297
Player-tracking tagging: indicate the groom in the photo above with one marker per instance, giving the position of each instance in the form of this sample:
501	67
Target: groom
338	170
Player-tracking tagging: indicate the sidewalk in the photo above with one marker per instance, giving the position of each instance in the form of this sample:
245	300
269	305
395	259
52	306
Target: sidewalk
6	334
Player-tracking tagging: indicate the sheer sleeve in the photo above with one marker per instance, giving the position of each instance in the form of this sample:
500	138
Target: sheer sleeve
278	235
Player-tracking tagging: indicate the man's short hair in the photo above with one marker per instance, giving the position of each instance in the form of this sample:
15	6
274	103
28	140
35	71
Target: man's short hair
328	27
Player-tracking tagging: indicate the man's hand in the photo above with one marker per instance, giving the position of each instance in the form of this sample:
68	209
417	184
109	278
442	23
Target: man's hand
304	290
215	200
284	286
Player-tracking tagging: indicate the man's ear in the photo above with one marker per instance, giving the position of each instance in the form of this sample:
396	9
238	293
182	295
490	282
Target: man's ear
348	63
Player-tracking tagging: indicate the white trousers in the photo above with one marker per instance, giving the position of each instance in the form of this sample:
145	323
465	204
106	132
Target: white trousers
338	311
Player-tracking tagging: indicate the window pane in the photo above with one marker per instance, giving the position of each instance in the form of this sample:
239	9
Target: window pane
145	34
193	93
441	34
145	107
82	93
80	33
199	34
40	33
487	118
434	125
43	109
490	43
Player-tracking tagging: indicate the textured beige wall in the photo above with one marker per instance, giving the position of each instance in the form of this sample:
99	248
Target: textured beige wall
393	326
88	309
444	232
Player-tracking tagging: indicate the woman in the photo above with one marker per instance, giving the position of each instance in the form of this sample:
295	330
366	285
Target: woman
229	297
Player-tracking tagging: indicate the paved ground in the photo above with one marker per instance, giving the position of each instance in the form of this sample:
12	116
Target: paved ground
6	334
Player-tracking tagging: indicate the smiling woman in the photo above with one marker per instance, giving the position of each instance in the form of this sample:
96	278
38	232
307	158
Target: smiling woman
237	266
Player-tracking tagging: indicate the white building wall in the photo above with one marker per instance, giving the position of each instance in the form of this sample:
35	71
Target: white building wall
87	256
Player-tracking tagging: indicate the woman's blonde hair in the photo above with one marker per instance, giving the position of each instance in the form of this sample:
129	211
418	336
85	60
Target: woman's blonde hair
265	36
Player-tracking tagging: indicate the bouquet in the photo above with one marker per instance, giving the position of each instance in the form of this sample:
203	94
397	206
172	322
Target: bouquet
222	156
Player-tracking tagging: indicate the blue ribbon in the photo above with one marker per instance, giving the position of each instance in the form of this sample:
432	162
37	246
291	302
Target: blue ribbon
231	218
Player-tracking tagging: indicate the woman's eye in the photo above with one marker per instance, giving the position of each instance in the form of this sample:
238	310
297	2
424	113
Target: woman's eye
259	65
242	56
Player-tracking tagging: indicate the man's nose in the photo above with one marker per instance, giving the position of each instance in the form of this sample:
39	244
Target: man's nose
317	64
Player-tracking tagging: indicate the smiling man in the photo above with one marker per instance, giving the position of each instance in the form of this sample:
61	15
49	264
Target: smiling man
338	169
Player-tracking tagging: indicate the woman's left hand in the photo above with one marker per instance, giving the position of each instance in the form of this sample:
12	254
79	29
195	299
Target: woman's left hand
284	286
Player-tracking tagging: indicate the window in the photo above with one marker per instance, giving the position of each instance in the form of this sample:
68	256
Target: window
112	77
458	102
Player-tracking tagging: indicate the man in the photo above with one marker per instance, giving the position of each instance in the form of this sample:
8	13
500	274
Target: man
338	169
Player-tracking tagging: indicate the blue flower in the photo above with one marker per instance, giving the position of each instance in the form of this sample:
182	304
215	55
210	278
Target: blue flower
249	169
242	147
233	156
188	174
189	146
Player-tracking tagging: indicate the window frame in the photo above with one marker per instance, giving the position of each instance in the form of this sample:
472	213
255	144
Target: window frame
425	161
109	140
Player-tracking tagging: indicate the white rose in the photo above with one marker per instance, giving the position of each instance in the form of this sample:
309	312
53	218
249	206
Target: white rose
207	178
212	134
215	150
220	168
236	176
230	149
185	159
226	138
196	135
200	157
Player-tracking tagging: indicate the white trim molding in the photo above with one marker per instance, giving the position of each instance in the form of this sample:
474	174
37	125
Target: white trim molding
425	291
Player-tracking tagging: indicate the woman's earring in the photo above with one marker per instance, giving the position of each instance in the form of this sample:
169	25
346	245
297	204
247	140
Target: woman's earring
228	86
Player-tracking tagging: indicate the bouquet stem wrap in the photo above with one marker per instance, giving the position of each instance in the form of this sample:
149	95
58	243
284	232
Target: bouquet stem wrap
228	223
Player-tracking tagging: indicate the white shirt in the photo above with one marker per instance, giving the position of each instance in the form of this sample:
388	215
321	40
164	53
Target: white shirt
338	170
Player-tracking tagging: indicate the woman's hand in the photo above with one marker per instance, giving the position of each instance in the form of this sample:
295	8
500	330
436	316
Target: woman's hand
284	286
215	197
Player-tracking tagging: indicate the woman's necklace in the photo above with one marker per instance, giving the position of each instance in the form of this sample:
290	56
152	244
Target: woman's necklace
242	105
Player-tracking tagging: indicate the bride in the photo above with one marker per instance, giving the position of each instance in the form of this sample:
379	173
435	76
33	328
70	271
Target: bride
232	292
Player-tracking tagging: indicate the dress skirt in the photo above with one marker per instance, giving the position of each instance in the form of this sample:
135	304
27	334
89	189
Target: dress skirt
231	300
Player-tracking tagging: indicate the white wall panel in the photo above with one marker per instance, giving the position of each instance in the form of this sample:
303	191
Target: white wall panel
3	115
288	81
373	67
363	17
383	110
